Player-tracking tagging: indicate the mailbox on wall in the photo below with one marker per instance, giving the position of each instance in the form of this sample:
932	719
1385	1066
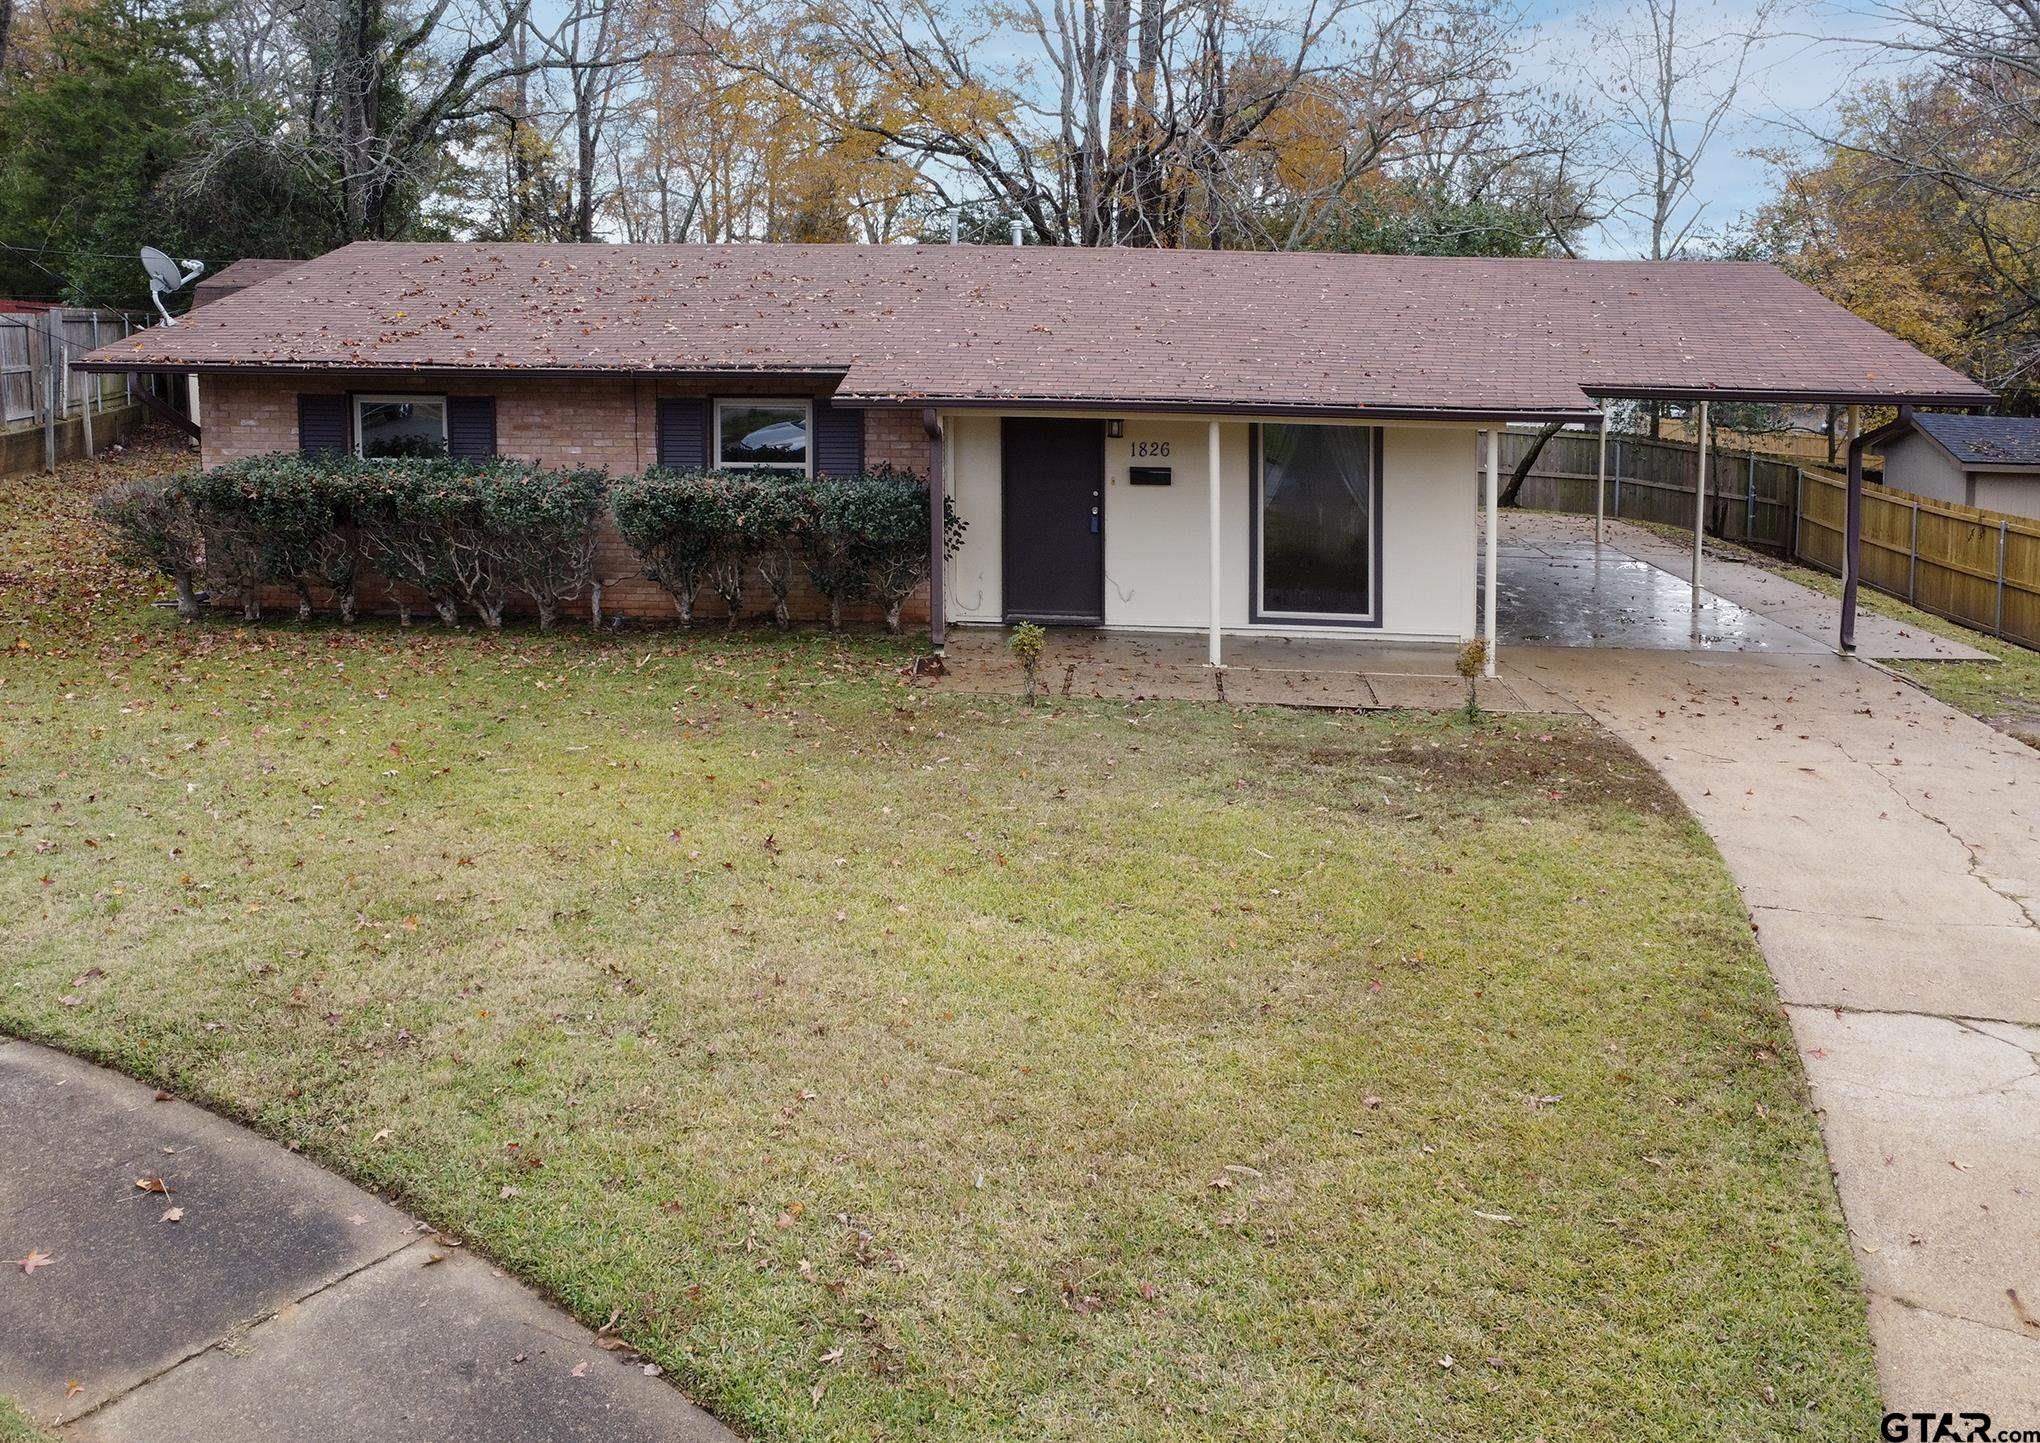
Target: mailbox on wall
1147	476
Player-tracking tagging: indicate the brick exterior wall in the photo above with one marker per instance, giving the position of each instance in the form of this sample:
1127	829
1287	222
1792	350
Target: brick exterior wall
611	425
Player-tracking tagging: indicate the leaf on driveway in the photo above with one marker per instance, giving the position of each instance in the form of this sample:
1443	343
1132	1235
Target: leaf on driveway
33	1261
172	1215
150	1182
579	1370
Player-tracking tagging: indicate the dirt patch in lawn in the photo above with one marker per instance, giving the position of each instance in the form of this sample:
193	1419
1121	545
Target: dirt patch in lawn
1566	763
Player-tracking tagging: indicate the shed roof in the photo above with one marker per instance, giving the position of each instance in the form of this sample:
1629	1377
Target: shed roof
962	325
1984	443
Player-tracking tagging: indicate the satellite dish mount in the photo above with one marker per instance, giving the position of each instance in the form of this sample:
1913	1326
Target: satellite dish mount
167	277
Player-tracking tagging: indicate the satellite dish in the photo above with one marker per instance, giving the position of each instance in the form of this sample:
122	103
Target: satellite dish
167	276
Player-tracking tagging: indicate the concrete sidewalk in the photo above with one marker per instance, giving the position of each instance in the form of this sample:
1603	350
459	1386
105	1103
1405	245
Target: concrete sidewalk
1888	850
263	1298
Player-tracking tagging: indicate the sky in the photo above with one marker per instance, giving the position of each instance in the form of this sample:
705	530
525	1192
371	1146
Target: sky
1793	82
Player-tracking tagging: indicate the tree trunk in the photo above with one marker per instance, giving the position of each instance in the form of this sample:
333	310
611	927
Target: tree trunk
187	594
1514	490
6	24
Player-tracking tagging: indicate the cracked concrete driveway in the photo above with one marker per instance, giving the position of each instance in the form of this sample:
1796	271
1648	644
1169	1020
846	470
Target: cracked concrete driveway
1887	849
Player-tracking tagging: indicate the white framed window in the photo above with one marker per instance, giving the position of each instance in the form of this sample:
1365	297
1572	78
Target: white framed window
755	434
394	427
1317	525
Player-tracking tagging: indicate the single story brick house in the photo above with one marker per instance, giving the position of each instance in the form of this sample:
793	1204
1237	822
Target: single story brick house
1223	442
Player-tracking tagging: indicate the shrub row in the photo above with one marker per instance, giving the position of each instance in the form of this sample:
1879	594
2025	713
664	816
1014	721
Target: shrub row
481	534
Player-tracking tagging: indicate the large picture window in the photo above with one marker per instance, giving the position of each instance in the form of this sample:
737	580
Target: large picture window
387	427
1318	520
762	435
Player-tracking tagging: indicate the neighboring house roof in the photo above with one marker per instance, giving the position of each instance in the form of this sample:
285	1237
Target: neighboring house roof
1984	443
237	277
960	325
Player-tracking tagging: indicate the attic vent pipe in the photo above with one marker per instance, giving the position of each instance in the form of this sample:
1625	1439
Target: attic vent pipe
1016	233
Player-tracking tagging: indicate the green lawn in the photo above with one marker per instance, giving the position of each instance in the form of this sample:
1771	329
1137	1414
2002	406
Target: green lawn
17	1427
907	1065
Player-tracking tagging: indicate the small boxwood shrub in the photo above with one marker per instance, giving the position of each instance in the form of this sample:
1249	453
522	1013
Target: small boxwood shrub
149	526
684	526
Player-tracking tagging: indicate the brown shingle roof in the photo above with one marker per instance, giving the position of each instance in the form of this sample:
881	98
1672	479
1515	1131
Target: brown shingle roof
237	277
981	324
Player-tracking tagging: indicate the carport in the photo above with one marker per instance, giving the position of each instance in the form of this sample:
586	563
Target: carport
1628	601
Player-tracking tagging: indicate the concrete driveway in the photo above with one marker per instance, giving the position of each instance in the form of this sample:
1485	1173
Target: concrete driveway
1888	850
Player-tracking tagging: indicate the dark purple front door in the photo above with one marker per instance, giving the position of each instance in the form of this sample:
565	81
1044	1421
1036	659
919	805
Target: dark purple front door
1053	472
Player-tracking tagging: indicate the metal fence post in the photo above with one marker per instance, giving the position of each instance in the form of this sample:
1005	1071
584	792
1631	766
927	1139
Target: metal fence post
49	391
1912	560
1749	527
1999	625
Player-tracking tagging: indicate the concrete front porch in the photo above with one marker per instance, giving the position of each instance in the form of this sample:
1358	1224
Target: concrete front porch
1558	589
1259	671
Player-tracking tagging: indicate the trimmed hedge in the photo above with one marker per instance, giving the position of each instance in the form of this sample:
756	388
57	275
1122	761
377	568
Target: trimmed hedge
478	534
856	536
473	532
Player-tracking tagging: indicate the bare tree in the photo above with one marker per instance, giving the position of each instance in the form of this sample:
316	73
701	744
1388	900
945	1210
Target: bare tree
369	94
1147	122
6	25
1669	85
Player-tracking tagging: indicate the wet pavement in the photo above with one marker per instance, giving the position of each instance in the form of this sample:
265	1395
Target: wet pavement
1564	592
1559	589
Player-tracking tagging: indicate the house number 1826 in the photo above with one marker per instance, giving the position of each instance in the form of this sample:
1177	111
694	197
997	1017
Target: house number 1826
1150	448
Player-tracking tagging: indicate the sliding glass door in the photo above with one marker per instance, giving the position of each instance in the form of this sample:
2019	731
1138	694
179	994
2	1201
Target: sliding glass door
1318	525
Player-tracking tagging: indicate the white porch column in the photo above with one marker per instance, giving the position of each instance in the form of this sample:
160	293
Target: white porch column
1494	530
1601	480
1211	523
1700	506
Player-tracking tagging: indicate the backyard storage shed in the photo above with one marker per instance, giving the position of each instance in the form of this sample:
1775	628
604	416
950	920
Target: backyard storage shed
1987	461
1223	442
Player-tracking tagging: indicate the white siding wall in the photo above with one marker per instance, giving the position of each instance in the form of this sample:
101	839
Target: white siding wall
2016	492
1915	464
1156	565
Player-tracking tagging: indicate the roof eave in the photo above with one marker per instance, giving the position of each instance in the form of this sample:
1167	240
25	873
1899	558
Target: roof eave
1204	405
104	365
1970	399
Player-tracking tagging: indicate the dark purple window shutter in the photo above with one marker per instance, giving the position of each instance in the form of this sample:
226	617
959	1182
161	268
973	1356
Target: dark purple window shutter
683	432
471	427
322	424
839	440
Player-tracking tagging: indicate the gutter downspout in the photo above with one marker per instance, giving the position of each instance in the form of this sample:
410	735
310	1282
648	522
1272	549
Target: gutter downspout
938	616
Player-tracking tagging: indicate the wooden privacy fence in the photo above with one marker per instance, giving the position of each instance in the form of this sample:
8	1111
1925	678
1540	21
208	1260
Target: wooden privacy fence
36	351
1750	498
1981	568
